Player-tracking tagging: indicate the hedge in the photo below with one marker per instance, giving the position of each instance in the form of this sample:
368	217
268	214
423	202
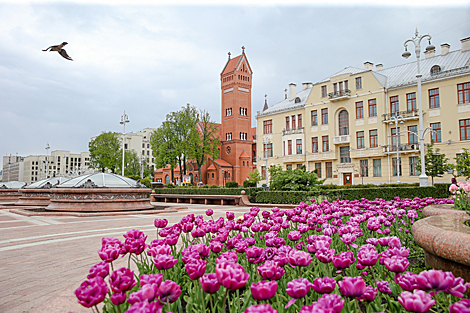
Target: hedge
251	192
294	197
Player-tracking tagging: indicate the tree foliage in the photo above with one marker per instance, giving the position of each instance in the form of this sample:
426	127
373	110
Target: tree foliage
294	180
436	163
204	140
163	145
105	151
463	164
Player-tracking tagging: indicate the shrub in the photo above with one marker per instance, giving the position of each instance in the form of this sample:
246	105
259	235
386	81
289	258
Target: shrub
170	185
147	182
231	184
249	183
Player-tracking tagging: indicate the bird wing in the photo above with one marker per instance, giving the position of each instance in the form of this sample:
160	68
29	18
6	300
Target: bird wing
65	55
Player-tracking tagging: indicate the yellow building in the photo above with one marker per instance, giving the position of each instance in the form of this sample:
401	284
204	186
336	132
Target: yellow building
353	125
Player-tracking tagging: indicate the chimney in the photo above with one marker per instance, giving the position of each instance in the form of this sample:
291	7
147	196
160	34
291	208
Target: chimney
465	44
292	91
429	54
445	47
368	65
306	85
379	67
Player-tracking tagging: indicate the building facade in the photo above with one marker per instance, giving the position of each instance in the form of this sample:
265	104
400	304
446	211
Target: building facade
237	153
361	125
37	167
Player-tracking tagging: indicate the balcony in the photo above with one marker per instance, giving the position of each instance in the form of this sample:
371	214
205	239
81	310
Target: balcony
405	148
298	130
338	140
406	115
339	95
294	158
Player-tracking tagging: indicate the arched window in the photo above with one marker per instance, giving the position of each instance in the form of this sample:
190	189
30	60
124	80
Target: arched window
343	122
436	69
297	100
167	179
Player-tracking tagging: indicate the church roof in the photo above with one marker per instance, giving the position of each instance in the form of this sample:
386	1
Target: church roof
244	155
231	65
211	167
222	163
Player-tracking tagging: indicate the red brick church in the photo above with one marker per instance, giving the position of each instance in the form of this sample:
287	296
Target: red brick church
237	153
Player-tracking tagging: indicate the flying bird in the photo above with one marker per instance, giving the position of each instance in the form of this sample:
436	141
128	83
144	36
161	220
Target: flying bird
59	48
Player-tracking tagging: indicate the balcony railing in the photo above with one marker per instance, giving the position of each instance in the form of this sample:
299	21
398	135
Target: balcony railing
408	147
298	130
337	140
339	95
412	114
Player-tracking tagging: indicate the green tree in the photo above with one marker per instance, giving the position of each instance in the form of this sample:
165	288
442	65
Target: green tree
163	143
463	164
204	140
294	180
105	151
436	163
184	127
131	162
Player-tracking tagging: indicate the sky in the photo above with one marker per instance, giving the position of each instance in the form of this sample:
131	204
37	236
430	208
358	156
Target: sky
151	58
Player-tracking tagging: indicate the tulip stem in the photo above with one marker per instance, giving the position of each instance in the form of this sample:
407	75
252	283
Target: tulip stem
112	268
212	304
225	298
202	297
96	307
119	308
129	261
358	307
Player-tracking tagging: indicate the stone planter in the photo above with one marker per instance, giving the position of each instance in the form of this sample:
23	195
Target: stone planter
34	197
99	199
445	239
9	195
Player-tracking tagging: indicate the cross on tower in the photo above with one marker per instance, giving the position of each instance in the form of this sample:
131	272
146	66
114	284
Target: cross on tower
229	54
243	49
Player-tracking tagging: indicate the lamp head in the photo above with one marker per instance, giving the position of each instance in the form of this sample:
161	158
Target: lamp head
430	47
406	54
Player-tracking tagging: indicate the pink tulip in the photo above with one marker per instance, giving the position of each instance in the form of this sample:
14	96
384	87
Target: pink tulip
195	269
164	261
91	292
324	285
231	275
463	306
168	292
263	290
396	264
418	301
434	280
260	308
343	260
299	258
352	286
270	270
209	283
297	288
122	280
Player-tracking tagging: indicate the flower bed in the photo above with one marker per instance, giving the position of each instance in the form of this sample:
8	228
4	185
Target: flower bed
343	256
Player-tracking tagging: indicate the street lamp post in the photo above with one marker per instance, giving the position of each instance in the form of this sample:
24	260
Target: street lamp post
47	158
416	40
142	159
266	141
124	120
395	119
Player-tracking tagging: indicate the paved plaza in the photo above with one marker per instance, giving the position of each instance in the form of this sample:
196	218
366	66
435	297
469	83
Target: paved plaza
44	259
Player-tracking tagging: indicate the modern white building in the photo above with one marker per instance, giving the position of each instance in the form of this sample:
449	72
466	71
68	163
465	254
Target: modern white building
37	167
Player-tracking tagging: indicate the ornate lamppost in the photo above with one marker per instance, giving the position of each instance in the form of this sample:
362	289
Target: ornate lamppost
124	120
416	40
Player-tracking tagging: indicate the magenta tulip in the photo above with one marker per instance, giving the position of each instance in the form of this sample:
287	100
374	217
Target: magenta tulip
329	303
160	223
407	281
263	290
209	283
91	291
343	260
145	307
463	306
196	268
231	275
118	298
396	264
297	288
151	279
100	269
299	258
434	280
147	292
383	287
260	308
352	286
369	295
324	285
168	292
458	288
418	301
122	280
209	212
164	261
270	270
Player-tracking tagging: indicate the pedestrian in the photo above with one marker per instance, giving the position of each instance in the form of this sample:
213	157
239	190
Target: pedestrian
454	180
